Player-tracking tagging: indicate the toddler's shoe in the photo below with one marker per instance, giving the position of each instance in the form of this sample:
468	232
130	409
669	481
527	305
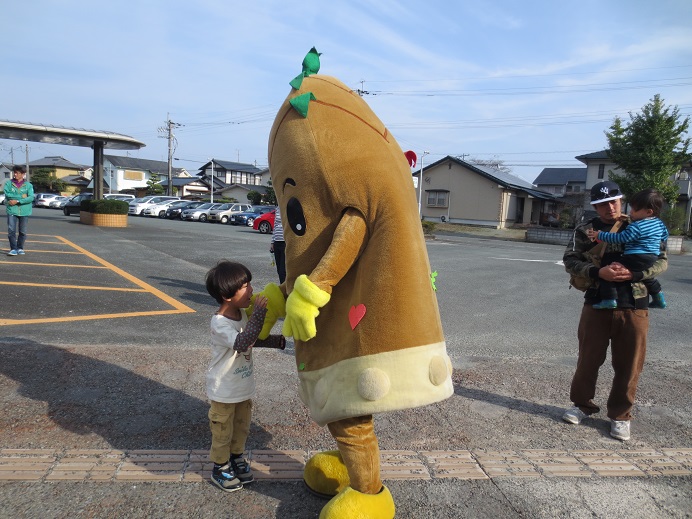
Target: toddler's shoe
658	301
223	476
20	252
242	469
12	253
606	304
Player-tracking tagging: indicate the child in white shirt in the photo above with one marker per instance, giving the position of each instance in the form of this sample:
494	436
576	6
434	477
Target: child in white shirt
230	379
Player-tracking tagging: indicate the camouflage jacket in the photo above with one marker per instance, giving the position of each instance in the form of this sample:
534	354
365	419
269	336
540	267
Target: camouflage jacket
579	259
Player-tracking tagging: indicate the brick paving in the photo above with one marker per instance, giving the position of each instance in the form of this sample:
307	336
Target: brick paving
193	465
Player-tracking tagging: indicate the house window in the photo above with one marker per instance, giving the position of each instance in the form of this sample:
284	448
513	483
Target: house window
569	189
601	170
577	189
133	175
437	198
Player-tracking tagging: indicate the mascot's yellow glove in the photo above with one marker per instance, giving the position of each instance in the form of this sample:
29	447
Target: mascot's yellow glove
276	307
302	307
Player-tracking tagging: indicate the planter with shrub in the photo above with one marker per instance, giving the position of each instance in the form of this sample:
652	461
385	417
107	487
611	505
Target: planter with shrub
104	213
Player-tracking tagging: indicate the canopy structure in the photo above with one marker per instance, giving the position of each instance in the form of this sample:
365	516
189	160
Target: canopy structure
97	140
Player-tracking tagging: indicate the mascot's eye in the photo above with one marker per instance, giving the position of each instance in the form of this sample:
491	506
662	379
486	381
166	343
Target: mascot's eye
295	216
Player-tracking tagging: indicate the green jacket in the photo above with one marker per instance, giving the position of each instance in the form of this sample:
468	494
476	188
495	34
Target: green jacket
580	262
25	196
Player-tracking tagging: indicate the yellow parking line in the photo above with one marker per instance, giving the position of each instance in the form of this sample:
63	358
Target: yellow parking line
179	308
77	287
52	265
52	251
168	299
6	322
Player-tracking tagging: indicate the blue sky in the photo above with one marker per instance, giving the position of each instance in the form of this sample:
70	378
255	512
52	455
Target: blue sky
531	83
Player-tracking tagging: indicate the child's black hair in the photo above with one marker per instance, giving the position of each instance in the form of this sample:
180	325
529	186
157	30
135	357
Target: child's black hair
647	199
226	278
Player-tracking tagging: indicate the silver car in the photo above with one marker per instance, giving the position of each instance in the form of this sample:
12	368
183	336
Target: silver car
199	213
223	213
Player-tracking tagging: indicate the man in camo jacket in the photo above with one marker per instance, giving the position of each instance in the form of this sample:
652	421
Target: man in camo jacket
625	328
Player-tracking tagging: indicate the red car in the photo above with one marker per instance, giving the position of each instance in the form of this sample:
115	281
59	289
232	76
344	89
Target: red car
264	223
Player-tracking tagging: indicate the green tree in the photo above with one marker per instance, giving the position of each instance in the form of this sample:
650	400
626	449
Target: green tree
154	186
269	197
254	197
650	149
45	179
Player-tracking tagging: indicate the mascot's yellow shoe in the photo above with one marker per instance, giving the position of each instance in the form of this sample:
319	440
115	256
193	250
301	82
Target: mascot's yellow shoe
351	504
325	474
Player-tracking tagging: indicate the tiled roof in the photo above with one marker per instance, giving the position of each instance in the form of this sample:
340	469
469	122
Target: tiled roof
602	155
155	166
55	162
560	176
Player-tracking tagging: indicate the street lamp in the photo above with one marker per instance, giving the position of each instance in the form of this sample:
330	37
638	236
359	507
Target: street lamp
420	184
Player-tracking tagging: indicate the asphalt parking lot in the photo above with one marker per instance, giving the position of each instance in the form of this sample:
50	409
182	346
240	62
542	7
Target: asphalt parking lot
103	349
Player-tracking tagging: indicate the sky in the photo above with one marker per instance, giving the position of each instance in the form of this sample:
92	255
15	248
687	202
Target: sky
532	84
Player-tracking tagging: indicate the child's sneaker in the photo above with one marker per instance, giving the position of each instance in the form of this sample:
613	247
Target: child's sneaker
658	301
224	477
242	469
606	304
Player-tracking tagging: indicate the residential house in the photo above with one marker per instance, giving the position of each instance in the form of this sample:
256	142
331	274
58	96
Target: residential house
5	174
238	178
130	174
190	187
67	171
461	192
598	165
568	185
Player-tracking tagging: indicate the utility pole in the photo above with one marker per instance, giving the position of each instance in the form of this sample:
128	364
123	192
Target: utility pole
168	130
27	162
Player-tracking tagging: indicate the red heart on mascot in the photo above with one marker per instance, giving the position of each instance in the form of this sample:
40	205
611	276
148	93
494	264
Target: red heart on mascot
355	315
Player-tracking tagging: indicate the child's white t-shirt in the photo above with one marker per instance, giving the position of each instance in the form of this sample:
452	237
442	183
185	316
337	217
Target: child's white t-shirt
230	377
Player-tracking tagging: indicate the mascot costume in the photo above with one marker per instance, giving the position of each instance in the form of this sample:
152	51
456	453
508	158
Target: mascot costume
358	298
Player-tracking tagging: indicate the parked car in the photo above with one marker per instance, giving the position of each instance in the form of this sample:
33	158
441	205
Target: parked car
175	210
159	210
43	199
199	213
73	204
2	198
248	217
223	213
265	223
139	205
119	196
58	202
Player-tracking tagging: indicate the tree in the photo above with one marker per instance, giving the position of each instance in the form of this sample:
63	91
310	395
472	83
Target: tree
650	149
254	197
44	179
269	197
154	186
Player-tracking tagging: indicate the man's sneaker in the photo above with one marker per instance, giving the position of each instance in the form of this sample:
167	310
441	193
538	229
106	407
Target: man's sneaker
606	304
20	251
242	470
620	430
658	301
224	477
574	415
12	253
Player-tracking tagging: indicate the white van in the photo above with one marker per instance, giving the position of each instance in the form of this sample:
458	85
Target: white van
119	196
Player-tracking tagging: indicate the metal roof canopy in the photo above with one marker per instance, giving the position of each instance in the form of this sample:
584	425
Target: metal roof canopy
97	140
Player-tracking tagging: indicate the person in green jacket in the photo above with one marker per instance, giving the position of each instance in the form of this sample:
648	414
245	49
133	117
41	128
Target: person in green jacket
19	198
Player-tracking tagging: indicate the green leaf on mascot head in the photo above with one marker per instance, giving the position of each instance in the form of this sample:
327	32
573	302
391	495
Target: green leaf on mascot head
311	65
301	103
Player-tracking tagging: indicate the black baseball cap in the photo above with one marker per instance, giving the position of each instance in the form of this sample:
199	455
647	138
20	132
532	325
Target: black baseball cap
605	192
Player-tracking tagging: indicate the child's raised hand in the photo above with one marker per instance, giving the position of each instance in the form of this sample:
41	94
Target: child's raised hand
593	235
260	301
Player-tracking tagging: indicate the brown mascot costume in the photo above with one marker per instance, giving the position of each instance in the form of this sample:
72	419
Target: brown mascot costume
358	297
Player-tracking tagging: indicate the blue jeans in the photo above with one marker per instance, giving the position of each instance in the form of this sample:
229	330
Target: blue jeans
16	242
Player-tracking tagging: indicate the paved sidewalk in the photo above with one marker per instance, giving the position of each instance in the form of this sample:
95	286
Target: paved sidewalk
101	465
